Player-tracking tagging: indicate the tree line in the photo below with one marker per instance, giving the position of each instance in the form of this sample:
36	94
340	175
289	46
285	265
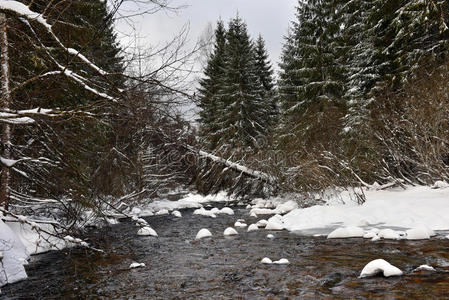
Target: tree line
360	97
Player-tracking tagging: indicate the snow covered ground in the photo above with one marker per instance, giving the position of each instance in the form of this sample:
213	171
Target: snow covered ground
413	208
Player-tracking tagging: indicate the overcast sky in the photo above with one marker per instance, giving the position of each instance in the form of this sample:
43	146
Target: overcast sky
271	18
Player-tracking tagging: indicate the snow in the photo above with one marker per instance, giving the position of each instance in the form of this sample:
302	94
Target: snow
204	212
275	223
266	260
253	215
8	162
262	223
15	255
136	265
253	227
227	211
270	236
203	233
380	266
392	208
281	208
282	261
230	231
418	233
240	224
346	232
177	214
162	212
440	185
389	234
147	231
424	268
141	222
447	236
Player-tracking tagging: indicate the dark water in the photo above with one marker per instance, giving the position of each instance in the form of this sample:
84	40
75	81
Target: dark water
178	267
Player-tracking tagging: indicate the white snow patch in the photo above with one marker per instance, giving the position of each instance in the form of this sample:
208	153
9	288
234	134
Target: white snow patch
253	215
141	222
177	214
395	207
230	231
227	211
275	223
389	234
262	223
253	227
266	260
440	184
203	233
346	232
421	233
281	208
162	212
282	261
380	266
424	268
270	236
240	224
147	231
204	212
136	265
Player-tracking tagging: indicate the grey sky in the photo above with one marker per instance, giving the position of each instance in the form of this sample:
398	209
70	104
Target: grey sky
270	18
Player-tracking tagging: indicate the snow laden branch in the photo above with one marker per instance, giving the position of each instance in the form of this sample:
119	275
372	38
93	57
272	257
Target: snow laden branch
26	16
242	169
25	116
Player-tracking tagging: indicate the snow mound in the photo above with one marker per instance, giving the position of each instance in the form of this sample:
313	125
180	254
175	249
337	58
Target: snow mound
253	215
389	234
447	236
270	236
253	227
275	223
227	211
424	268
380	266
136	265
162	212
262	223
281	208
282	261
346	232
266	260
240	224
230	231
141	222
421	233
204	212
440	184
203	233
147	231
177	214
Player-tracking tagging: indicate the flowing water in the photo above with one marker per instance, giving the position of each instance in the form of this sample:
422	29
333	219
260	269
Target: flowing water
178	267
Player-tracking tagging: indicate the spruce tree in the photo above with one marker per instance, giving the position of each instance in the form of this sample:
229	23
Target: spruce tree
241	109
209	88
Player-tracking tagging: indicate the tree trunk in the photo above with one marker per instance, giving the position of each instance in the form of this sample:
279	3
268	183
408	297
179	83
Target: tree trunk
5	104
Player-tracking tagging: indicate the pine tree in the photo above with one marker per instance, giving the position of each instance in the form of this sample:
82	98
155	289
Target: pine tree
312	77
265	73
209	88
241	109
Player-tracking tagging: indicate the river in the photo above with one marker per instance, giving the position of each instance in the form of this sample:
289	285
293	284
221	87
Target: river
179	267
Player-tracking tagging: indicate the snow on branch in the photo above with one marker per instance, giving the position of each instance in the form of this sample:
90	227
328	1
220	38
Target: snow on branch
256	174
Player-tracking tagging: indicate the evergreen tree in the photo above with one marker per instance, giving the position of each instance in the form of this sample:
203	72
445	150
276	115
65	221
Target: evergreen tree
241	109
265	73
209	88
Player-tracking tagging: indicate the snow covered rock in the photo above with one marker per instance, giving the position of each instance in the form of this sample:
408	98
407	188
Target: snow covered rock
136	211
282	261
275	223
418	234
136	265
270	236
380	266
227	211
147	231
240	224
447	236
162	212
146	213
389	234
286	207
375	238
424	268
203	233
253	227
253	215
266	260
203	212
346	232
141	222
230	231
262	223
177	214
